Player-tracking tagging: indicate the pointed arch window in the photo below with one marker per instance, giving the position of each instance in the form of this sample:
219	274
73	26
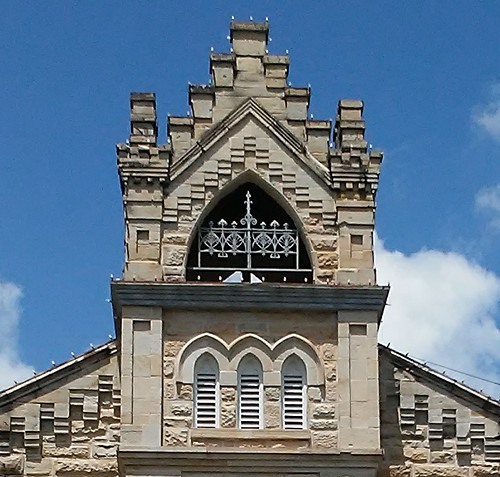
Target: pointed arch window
293	397
250	394
249	232
206	392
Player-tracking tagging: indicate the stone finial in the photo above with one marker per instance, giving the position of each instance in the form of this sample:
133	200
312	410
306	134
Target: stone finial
350	126
249	38
143	125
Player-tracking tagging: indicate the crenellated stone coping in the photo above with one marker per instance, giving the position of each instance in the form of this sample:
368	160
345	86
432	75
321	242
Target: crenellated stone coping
298	93
143	124
349	130
249	26
126	152
321	124
276	60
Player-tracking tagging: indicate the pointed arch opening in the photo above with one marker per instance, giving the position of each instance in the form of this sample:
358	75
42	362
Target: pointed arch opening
250	393
248	237
206	392
294	391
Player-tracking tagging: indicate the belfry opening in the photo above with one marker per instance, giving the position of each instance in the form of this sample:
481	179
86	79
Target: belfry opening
248	237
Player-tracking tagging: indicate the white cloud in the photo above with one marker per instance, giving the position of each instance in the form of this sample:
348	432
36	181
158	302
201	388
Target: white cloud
487	116
488	199
11	366
442	308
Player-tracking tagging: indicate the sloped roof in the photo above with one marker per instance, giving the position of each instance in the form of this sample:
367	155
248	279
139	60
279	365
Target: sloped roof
442	381
58	372
400	360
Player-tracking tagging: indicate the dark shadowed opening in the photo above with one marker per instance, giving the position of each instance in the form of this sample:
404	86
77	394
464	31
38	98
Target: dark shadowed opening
248	232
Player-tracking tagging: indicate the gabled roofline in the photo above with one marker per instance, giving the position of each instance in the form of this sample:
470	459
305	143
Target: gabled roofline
61	371
453	386
252	107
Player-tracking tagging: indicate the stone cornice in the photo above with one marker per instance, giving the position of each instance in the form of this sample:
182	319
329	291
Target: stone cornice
243	297
255	459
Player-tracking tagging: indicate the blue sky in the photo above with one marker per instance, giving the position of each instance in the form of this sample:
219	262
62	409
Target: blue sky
430	78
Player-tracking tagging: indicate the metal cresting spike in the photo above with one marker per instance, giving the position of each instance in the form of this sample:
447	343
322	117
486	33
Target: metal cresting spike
248	202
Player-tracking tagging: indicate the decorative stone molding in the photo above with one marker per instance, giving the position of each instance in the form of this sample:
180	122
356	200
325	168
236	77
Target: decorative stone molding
228	357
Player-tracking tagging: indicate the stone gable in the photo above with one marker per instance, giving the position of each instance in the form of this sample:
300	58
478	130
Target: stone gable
65	421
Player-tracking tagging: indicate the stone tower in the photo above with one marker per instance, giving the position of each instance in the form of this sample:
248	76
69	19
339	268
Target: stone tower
247	316
248	310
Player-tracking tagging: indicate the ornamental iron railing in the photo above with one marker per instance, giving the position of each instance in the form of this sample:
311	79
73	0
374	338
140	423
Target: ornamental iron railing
248	238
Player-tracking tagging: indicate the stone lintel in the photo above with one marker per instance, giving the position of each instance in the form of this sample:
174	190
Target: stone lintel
262	27
298	92
261	434
221	58
180	121
319	124
276	60
351	104
142	96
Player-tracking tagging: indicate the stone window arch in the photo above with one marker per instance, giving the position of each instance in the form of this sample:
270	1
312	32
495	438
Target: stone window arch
296	345
293	393
247	235
206	392
250	393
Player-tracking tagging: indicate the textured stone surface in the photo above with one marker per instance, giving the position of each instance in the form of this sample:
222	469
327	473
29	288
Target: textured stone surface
86	466
12	465
440	471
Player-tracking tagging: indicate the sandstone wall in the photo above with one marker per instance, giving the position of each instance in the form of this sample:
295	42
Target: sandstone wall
427	430
320	329
249	149
67	424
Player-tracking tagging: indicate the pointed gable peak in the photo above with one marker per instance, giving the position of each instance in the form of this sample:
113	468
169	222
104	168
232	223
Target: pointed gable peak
250	107
249	71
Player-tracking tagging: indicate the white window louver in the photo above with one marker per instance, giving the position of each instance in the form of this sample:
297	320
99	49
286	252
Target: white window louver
250	395
206	396
293	395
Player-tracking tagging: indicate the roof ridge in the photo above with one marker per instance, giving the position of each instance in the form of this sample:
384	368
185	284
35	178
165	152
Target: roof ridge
444	378
111	346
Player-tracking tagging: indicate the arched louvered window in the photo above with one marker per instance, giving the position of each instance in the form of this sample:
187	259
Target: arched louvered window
250	391
206	392
293	397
